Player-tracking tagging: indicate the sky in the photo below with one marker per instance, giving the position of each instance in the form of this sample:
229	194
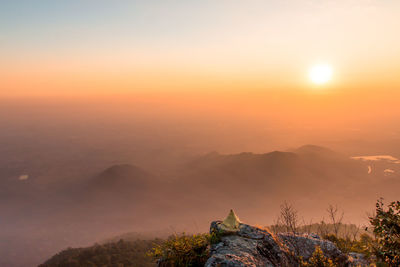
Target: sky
111	47
97	82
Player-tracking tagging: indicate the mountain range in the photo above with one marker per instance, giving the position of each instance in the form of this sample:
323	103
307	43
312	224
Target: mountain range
125	197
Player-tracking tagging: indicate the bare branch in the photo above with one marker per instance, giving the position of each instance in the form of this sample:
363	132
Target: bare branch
289	217
336	219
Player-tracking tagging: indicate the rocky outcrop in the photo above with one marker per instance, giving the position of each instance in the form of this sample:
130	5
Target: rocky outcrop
242	245
304	246
248	246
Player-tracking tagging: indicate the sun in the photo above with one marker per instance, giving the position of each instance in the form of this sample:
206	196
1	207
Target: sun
321	73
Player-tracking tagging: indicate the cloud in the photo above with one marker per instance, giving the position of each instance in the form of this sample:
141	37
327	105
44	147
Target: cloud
378	158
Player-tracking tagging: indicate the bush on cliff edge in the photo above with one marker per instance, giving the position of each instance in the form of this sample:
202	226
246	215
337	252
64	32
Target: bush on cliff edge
183	250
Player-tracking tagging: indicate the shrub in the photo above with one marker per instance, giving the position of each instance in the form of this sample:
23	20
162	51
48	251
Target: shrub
121	253
386	225
318	259
183	250
365	245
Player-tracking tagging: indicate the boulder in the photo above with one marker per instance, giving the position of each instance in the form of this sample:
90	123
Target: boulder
304	246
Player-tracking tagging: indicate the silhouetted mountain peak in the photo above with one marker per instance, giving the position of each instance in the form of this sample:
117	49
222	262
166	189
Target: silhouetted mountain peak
120	170
122	175
314	149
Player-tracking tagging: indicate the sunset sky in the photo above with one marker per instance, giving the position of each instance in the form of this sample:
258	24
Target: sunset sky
103	47
159	116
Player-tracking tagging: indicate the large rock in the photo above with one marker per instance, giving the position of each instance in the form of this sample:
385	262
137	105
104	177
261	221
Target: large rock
252	246
304	246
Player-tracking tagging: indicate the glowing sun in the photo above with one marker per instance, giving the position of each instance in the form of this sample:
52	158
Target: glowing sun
321	73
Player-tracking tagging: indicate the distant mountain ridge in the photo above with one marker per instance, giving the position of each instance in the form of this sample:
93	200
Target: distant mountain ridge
305	163
314	149
125	197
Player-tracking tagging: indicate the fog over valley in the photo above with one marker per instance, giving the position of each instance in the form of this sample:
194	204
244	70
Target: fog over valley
75	172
